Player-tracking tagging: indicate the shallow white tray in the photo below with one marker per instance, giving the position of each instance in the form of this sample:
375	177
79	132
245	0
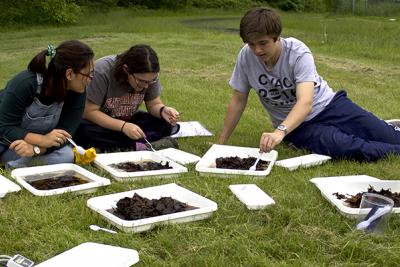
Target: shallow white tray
205	207
93	255
341	179
351	188
302	161
48	171
179	156
6	186
252	196
207	163
104	161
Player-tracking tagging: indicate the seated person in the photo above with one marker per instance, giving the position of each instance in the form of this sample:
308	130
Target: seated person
112	119
41	107
303	108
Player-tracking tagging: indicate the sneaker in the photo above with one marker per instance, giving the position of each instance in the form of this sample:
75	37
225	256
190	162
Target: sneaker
165	142
394	122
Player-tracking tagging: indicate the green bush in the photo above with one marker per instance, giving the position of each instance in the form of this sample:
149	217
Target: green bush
39	12
154	4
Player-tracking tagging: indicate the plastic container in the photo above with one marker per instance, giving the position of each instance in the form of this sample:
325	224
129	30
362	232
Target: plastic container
105	160
374	212
303	161
252	196
328	188
93	254
207	166
205	207
6	186
178	156
22	175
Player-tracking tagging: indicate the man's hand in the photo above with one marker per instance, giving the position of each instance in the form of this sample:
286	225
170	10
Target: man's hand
133	131
269	141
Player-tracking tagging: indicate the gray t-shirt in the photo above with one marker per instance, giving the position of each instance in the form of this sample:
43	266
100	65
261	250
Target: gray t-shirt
115	99
276	87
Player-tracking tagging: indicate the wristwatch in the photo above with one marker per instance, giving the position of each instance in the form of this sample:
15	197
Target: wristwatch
282	128
36	151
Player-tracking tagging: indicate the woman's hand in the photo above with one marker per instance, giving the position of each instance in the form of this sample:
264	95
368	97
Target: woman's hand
169	114
22	148
133	131
56	138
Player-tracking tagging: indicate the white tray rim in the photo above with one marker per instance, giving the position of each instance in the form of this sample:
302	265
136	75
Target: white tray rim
148	223
103	161
214	153
97	181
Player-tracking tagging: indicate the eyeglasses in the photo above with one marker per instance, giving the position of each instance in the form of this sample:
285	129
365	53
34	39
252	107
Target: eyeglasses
89	75
144	81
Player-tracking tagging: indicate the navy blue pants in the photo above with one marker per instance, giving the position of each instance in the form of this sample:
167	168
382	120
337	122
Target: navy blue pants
345	130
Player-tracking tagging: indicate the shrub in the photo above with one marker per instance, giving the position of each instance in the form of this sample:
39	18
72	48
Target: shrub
39	12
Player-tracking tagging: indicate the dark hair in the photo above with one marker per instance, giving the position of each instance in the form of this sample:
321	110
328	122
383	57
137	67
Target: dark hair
260	21
69	54
139	59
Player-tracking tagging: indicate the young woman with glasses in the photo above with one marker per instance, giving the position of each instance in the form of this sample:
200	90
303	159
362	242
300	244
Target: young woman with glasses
112	119
41	107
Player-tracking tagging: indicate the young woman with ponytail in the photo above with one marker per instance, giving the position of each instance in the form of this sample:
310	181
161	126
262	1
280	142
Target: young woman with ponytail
41	107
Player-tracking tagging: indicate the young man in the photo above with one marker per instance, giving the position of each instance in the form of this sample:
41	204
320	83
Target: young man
303	108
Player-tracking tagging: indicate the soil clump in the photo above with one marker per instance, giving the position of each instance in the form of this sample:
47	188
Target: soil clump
354	201
238	163
138	207
130	166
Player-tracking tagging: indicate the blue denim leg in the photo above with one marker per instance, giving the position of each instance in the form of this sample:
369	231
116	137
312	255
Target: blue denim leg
63	155
345	130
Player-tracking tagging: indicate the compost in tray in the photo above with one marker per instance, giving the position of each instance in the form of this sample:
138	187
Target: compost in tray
130	166
138	207
238	163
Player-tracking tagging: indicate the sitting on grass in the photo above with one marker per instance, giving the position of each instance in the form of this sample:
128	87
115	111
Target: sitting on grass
41	107
303	108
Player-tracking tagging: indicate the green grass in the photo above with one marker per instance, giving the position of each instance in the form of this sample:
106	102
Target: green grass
302	229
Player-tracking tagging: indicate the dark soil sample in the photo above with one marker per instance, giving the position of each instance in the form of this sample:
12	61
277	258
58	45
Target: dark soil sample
60	181
138	207
240	163
130	166
354	201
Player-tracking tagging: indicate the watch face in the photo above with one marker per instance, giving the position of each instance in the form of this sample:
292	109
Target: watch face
36	149
282	127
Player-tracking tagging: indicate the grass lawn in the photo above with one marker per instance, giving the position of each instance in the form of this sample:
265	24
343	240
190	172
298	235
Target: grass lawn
197	59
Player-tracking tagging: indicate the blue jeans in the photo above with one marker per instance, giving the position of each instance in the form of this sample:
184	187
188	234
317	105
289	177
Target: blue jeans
61	155
345	130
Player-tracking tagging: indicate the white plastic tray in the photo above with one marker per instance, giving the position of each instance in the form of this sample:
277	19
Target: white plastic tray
302	161
207	163
252	196
179	156
93	255
205	207
48	171
352	187
6	186
104	161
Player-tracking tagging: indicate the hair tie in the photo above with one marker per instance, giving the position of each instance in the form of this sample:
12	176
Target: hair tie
51	51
